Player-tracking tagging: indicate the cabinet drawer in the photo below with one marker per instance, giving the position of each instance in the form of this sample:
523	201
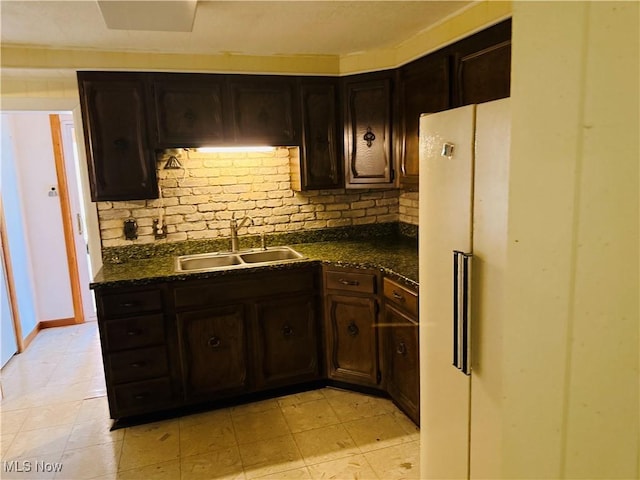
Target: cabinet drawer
126	303
142	395
352	282
401	296
137	364
134	332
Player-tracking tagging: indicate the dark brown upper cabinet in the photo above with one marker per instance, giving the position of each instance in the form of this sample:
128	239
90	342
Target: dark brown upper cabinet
367	135
424	88
321	164
476	69
262	110
121	164
482	66
187	110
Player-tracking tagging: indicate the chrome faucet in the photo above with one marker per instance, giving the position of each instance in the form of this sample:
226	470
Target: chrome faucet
235	225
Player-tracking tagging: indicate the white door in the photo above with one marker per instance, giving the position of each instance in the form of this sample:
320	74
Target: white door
445	218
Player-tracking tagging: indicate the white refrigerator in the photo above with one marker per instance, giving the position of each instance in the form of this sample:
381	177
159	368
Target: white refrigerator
464	162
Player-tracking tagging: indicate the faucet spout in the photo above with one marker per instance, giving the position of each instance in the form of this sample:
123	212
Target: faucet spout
235	225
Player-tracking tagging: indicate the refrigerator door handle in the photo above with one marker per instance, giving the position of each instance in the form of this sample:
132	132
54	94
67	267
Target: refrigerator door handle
462	311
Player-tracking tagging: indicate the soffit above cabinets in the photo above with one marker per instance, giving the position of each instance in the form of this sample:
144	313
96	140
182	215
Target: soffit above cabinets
221	27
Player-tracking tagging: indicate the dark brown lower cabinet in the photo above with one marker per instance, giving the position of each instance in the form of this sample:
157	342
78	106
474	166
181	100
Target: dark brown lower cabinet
286	340
351	311
188	342
402	361
247	332
402	347
213	347
138	350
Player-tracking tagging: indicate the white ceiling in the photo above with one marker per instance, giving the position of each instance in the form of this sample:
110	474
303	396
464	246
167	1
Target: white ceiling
239	27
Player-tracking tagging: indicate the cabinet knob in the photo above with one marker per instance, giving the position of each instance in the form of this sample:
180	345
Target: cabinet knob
398	296
353	329
353	283
369	137
402	349
214	342
287	331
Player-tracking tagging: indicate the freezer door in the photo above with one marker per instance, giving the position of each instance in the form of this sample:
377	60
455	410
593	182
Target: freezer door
445	217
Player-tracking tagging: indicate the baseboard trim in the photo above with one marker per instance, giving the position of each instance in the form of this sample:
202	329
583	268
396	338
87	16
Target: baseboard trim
60	322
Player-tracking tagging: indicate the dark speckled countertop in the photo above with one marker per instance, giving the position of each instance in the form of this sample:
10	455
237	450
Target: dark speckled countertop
396	256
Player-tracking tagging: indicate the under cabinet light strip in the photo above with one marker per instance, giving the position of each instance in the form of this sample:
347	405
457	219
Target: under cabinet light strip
234	149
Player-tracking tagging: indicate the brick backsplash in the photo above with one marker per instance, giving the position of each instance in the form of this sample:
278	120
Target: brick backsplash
199	200
408	207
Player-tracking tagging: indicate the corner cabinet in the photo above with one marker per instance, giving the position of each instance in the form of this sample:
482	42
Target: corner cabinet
121	163
367	134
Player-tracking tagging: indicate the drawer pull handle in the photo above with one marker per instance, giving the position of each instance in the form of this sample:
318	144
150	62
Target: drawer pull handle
141	396
353	329
402	349
128	304
214	342
137	364
353	283
133	333
398	296
287	331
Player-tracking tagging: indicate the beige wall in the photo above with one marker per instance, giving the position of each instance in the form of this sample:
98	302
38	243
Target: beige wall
50	73
571	335
199	200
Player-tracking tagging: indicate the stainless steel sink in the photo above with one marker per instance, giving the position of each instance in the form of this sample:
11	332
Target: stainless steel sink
209	261
228	260
276	254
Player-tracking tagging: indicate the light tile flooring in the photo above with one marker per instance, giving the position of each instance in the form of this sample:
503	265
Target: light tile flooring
54	415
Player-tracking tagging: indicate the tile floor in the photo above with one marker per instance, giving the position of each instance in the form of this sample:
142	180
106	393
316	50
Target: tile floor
54	415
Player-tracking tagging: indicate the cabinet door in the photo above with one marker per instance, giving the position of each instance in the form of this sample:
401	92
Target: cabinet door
187	110
286	338
424	86
320	158
262	110
485	75
214	352
352	339
121	164
368	133
482	66
402	361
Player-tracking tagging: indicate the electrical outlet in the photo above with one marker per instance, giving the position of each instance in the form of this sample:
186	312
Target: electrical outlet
159	232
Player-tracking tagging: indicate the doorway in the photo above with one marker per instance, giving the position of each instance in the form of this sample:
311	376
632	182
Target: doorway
48	206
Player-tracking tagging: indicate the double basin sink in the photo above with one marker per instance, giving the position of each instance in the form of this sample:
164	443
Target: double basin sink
229	260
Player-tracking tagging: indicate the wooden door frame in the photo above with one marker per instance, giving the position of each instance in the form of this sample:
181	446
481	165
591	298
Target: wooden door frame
11	288
67	227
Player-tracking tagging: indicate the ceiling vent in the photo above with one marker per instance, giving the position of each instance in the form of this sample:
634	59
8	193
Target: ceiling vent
157	16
